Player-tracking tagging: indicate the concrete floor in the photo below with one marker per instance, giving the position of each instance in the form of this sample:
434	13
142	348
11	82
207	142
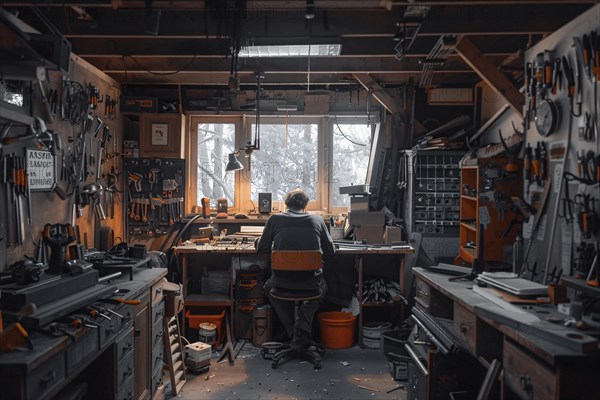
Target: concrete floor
341	376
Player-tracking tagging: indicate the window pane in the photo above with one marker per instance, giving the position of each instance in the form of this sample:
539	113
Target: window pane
351	147
215	142
287	160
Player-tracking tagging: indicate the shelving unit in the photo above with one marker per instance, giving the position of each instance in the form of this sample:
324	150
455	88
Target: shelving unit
475	181
432	199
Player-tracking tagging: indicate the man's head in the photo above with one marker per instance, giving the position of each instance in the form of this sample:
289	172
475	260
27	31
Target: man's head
296	200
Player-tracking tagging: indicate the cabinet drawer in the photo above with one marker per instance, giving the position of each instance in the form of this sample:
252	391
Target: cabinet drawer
157	359
157	333
158	311
81	349
125	370
107	330
125	344
423	293
527	378
46	377
126	392
157	292
465	326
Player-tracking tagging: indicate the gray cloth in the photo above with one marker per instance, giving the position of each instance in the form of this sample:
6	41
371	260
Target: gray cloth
294	230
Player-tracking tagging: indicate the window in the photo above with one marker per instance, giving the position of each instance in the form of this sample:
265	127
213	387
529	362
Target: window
295	152
351	143
287	159
214	142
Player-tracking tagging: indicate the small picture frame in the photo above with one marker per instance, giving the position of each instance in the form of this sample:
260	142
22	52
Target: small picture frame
160	134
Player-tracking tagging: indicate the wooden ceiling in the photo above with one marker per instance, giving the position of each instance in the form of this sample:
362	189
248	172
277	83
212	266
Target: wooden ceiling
194	38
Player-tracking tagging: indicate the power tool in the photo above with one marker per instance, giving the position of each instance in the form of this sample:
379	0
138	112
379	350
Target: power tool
57	236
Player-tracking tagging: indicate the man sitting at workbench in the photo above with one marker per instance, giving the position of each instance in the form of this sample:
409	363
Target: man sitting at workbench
295	229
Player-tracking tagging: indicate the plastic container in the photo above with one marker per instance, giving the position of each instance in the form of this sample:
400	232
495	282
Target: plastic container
337	329
194	321
372	334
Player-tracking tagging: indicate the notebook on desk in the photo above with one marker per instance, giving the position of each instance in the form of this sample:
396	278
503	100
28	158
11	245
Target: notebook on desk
516	286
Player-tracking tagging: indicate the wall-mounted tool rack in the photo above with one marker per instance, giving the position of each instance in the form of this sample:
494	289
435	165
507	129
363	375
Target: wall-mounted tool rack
155	193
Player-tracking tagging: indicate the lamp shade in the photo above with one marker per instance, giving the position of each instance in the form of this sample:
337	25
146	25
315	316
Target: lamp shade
233	164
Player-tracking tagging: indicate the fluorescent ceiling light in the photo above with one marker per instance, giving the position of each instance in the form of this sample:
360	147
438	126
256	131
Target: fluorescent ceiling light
296	50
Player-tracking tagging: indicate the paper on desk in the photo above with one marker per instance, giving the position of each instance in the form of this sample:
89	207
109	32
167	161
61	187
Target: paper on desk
524	316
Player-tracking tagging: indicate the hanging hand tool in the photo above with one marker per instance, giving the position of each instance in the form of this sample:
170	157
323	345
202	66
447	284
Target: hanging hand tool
582	49
573	86
48	116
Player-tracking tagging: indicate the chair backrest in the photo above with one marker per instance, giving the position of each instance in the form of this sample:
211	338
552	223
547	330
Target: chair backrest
295	260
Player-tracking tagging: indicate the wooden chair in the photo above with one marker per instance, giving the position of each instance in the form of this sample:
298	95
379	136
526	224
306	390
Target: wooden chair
296	261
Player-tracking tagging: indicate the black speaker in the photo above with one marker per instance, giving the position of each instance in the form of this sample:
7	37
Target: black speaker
264	203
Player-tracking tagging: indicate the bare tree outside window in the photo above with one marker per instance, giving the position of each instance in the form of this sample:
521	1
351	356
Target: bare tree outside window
288	159
215	142
351	148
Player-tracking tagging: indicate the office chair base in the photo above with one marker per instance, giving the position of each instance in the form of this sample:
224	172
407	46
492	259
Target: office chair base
283	356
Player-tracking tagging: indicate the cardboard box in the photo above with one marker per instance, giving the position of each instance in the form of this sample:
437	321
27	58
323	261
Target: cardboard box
359	203
368	226
372	234
392	235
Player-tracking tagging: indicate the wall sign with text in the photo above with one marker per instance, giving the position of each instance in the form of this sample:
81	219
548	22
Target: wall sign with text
41	170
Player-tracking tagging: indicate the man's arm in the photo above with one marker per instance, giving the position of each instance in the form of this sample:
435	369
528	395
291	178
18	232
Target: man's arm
326	242
266	239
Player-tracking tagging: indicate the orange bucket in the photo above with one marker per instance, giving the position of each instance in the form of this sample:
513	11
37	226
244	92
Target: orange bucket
337	329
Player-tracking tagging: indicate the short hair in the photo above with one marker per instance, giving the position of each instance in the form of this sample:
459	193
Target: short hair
296	199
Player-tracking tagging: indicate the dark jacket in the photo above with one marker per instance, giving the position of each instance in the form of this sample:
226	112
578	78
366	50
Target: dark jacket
296	231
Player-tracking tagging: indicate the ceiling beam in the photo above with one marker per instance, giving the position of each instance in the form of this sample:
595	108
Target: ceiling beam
489	73
379	93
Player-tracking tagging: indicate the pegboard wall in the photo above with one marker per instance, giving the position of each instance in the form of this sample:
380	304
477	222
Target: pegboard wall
563	70
47	206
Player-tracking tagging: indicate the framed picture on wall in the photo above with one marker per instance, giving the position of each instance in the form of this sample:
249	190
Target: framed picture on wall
162	135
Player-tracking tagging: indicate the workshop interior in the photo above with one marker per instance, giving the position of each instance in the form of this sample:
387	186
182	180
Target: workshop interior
450	148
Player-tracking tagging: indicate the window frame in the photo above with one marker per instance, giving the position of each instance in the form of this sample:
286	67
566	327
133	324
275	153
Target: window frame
243	134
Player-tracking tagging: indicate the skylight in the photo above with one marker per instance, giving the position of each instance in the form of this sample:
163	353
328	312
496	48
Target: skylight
302	50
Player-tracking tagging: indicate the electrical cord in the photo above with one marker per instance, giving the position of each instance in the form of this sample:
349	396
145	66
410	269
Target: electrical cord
161	73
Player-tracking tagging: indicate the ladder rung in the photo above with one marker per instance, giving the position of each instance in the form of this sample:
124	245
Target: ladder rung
177	357
178	376
177	365
175	348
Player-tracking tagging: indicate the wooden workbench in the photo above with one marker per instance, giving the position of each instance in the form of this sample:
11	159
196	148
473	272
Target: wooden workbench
204	254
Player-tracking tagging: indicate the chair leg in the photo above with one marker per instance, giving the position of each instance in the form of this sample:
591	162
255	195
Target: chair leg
283	356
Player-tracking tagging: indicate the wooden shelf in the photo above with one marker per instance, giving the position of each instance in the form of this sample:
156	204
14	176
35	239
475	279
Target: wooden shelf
394	304
579	284
467	253
469	226
207	300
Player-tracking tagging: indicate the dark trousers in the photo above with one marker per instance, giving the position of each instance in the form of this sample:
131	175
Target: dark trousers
306	311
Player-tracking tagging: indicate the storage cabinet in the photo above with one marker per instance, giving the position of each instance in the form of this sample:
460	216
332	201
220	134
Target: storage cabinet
487	190
432	199
162	135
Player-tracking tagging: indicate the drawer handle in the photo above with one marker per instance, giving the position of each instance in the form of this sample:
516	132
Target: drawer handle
50	377
159	314
462	327
127	347
158	290
422	293
127	373
109	330
525	382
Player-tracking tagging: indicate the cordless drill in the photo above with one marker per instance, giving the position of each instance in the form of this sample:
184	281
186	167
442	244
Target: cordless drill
57	236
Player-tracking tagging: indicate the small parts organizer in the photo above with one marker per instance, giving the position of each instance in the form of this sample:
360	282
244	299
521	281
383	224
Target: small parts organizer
155	195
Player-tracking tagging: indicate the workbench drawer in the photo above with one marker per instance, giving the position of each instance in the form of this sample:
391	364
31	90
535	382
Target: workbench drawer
423	293
156	292
107	330
125	370
157	376
157	359
46	377
465	326
158	311
125	345
157	332
526	377
127	391
78	352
